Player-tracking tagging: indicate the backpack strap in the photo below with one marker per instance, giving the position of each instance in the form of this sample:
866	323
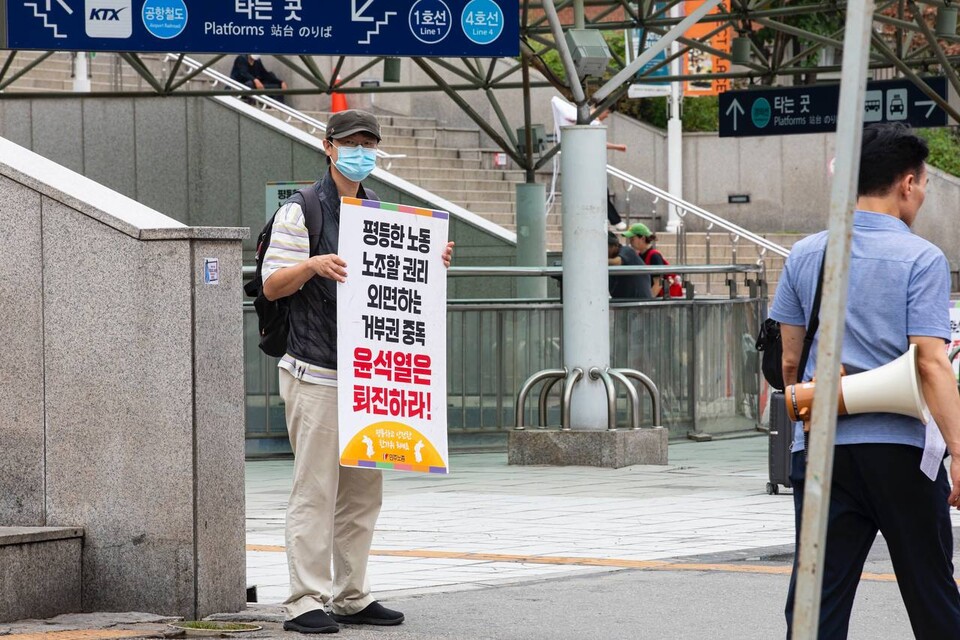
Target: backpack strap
312	214
814	322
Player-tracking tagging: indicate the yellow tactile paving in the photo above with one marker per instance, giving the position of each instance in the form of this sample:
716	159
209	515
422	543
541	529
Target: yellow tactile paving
618	563
81	634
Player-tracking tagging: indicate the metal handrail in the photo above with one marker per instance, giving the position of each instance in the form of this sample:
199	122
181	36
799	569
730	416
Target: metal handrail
249	270
617	270
684	206
265	101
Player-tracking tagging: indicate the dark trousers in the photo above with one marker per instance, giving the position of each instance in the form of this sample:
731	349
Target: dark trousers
879	487
269	85
613	216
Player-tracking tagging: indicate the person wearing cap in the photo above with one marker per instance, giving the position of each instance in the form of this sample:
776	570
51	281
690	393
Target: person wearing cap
249	70
626	287
642	239
332	510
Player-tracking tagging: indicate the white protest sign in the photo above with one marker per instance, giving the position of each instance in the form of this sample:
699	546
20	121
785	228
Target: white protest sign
392	337
954	335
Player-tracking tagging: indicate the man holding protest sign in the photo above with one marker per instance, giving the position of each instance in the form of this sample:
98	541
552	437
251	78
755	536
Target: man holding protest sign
332	510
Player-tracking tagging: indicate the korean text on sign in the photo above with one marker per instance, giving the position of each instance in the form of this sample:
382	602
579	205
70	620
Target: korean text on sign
391	344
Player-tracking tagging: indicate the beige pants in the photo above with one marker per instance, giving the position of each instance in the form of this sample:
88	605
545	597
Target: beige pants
332	510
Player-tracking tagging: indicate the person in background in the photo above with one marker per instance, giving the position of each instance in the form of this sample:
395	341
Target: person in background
565	114
626	287
642	241
613	216
249	70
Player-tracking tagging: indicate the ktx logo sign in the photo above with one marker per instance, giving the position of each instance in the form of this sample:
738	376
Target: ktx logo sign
109	18
105	14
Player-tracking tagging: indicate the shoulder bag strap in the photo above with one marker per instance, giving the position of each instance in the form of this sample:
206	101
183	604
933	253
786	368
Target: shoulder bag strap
312	212
814	322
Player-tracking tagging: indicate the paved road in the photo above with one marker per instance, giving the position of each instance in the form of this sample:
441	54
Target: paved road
693	549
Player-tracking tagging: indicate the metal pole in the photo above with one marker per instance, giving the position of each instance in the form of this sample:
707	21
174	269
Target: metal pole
579	16
586	308
816	497
631	69
675	134
531	236
531	175
81	77
573	81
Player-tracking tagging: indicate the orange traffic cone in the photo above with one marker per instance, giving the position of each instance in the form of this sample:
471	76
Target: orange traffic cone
338	101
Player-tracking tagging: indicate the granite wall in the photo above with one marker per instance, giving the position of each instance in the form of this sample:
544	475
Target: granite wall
122	383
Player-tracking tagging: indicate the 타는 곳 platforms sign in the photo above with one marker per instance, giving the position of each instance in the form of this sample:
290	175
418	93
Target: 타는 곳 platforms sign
481	28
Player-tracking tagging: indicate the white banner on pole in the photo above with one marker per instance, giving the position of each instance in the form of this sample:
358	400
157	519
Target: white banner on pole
955	336
392	337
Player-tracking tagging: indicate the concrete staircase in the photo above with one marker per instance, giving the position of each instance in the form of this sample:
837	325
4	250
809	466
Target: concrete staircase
452	163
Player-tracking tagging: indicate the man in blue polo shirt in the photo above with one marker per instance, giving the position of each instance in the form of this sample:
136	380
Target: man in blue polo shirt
898	295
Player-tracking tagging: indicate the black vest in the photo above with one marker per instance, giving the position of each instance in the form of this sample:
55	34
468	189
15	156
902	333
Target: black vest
313	309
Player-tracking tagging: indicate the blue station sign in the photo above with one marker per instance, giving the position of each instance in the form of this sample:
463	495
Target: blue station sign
813	109
442	28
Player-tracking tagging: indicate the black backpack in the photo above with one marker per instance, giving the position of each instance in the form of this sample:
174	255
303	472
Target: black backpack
273	315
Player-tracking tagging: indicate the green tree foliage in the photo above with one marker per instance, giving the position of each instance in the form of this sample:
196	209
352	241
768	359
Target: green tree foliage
699	114
944	148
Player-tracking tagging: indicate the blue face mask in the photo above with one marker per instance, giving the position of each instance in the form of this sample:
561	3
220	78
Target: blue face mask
355	163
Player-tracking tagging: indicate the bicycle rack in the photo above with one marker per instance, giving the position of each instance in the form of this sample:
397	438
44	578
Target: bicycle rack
547	374
652	389
571	377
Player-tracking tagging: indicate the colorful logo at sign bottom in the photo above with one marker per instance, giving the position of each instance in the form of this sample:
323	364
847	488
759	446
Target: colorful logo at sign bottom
392	445
164	19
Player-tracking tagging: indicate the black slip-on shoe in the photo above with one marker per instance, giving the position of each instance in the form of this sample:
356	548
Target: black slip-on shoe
316	621
373	613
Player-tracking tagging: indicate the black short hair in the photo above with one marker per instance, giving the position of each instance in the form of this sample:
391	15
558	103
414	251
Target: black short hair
889	151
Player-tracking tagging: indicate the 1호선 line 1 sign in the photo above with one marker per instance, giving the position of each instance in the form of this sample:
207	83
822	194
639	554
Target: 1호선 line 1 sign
813	109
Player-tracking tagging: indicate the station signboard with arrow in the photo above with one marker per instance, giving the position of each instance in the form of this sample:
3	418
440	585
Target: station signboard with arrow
813	109
450	28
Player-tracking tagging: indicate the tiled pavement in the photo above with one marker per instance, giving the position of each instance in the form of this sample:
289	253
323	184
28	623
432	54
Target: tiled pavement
710	499
489	523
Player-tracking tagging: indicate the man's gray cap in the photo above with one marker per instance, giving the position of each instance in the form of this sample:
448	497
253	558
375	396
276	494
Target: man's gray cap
351	121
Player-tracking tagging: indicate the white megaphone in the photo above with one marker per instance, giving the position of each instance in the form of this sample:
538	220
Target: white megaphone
892	388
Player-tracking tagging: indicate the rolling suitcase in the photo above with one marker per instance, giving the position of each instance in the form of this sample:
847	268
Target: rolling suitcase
781	439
